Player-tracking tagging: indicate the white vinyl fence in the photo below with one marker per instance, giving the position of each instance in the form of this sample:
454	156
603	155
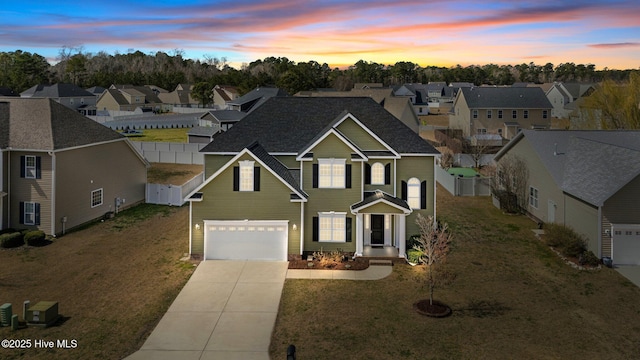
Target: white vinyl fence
175	153
463	186
172	194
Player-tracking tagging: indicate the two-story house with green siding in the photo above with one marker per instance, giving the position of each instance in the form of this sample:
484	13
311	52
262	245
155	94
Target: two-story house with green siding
301	174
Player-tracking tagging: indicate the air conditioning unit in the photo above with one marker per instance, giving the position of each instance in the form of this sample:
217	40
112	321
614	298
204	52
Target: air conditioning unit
44	313
5	314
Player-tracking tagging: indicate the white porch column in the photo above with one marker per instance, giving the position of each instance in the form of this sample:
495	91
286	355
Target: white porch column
402	240
359	234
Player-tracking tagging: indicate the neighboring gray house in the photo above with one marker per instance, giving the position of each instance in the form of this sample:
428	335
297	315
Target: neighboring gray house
69	95
499	110
212	123
587	180
59	169
251	100
563	95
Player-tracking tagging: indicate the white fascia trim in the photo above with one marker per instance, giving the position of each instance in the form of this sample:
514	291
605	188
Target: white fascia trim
357	210
418	154
324	136
233	161
349	115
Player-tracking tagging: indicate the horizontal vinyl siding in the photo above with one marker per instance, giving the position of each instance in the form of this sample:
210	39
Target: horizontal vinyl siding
113	167
213	163
583	218
420	167
220	202
359	136
36	190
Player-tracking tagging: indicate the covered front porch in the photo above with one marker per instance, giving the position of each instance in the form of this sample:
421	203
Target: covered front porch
381	225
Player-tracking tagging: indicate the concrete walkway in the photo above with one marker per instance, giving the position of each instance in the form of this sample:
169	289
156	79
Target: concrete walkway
227	310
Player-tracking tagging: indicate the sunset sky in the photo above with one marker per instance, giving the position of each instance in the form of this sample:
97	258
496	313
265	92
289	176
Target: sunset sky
339	33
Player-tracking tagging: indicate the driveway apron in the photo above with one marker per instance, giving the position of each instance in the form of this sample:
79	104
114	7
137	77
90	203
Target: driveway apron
227	310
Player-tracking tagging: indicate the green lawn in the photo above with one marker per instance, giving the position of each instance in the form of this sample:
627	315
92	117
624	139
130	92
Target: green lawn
162	135
512	298
466	172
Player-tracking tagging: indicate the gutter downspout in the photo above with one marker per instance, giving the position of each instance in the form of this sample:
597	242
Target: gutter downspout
52	203
600	232
301	228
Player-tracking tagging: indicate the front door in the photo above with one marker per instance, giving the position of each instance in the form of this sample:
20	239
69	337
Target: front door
377	230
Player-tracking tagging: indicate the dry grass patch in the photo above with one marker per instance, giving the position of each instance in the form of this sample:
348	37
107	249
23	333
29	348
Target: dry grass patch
113	281
174	174
511	296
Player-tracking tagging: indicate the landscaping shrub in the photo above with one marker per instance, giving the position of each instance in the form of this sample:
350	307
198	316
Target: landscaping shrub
413	241
413	256
7	231
588	258
11	240
34	238
565	239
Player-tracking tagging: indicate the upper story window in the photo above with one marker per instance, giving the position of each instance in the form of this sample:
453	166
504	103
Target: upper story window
246	175
331	173
377	174
514	114
545	114
30	167
413	193
499	114
533	197
489	114
525	114
475	114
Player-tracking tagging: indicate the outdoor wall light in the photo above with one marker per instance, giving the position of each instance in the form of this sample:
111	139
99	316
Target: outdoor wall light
197	226
295	227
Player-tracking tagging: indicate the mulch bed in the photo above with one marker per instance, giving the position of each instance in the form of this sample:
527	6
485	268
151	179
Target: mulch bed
437	309
355	264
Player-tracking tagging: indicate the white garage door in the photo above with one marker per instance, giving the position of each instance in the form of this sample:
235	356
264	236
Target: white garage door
626	244
246	240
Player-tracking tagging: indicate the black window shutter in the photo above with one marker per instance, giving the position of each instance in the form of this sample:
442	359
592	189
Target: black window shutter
315	175
38	167
347	179
348	226
423	195
367	174
403	191
37	213
315	229
22	211
387	174
256	179
236	178
23	164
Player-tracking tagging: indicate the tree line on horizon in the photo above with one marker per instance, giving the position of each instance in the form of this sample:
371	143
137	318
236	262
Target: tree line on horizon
21	70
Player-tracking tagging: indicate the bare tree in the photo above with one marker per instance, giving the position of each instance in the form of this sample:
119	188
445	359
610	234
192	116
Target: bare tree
433	245
509	183
447	160
477	151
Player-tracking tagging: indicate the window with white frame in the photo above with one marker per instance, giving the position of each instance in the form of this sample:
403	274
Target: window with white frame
332	227
377	174
545	114
30	167
246	175
514	114
481	131
475	114
499	114
525	114
489	114
29	213
96	198
413	193
533	197
331	173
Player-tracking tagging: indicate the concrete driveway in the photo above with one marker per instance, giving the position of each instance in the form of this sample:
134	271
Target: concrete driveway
631	272
227	310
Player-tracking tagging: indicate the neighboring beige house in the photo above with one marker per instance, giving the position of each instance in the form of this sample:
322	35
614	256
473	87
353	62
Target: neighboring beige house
304	174
59	169
180	97
68	95
563	96
223	94
500	111
129	98
587	180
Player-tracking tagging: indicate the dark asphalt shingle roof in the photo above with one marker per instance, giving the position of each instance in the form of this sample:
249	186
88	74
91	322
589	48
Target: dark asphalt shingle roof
43	124
371	197
277	167
288	124
56	91
505	98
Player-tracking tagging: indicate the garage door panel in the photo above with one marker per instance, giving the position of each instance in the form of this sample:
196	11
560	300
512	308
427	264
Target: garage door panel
246	240
626	244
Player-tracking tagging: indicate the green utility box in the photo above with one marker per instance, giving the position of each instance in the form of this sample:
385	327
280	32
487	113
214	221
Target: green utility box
5	314
44	313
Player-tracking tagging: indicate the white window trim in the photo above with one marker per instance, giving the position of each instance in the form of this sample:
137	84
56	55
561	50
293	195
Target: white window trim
474	114
500	114
334	181
30	171
514	114
533	200
414	184
377	177
97	191
336	233
525	114
246	175
32	213
489	114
